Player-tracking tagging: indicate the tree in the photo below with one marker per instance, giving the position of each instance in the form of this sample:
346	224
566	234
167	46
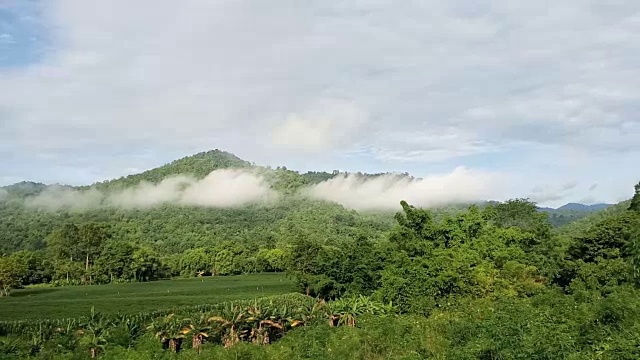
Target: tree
145	265
92	238
114	260
63	243
196	261
38	267
635	201
416	232
523	214
11	272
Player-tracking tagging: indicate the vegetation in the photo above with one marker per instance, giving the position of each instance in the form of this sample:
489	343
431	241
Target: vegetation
489	281
70	301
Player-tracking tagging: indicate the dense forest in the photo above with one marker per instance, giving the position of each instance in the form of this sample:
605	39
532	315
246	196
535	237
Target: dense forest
482	281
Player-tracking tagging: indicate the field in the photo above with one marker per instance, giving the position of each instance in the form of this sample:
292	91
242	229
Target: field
73	301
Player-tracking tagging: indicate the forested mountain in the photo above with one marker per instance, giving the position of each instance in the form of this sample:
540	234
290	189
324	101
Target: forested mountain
571	212
485	280
576	207
171	230
198	165
579	225
582	207
23	189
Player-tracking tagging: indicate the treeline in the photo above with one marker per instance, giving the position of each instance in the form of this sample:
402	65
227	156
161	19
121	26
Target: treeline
89	254
485	283
505	250
102	246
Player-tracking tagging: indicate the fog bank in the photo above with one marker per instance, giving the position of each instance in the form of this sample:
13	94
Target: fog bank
221	188
385	192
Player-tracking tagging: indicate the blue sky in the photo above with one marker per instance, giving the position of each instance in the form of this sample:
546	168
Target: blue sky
541	96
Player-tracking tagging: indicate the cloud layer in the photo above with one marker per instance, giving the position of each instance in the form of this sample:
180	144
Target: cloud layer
406	86
231	188
221	188
385	192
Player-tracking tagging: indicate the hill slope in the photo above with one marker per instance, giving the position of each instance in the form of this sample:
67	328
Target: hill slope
198	165
169	228
582	207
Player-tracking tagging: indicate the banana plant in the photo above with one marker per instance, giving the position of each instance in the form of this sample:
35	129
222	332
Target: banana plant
94	333
230	324
198	331
169	329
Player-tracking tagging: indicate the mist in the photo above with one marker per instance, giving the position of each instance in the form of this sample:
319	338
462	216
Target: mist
221	188
234	187
3	194
385	192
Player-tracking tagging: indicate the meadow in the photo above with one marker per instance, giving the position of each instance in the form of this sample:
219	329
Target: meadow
74	301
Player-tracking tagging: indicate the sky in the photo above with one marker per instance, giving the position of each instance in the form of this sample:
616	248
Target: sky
542	95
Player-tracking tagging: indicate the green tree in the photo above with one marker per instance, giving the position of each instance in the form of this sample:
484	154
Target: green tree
92	238
114	261
635	201
38	267
523	214
146	265
11	273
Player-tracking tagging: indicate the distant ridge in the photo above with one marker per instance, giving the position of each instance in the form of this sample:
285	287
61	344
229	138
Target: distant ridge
572	212
577	207
582	207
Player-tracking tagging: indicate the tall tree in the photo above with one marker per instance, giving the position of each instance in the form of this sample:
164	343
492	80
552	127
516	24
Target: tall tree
92	238
11	272
635	201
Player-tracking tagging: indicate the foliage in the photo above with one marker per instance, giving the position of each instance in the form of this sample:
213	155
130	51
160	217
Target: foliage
635	201
71	301
488	281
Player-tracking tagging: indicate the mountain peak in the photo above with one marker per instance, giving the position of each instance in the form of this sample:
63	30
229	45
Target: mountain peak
198	165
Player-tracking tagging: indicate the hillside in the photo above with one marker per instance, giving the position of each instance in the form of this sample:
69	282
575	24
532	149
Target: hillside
23	189
174	227
580	225
582	207
198	165
571	212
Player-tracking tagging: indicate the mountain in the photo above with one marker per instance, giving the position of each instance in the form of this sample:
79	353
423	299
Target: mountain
582	207
198	165
576	207
24	188
578	226
170	226
571	212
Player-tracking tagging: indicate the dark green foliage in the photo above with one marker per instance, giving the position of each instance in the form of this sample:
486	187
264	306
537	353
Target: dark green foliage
315	177
606	239
520	213
635	201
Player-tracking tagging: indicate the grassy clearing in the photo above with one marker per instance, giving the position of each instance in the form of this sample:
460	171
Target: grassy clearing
73	301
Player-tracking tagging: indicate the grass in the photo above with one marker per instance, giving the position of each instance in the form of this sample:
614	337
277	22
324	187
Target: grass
74	301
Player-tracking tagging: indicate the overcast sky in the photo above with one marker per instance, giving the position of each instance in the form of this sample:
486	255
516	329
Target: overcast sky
544	95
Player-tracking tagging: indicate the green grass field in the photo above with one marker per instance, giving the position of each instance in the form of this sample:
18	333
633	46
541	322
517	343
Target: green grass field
74	301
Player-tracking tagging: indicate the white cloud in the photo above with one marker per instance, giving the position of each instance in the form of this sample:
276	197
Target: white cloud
328	123
221	188
386	191
426	82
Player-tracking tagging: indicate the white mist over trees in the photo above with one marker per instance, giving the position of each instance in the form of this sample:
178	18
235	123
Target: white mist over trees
237	187
384	192
221	188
